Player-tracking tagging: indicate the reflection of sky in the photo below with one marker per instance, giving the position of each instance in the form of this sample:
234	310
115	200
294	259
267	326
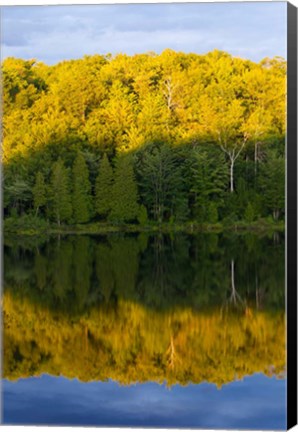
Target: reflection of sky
257	402
53	33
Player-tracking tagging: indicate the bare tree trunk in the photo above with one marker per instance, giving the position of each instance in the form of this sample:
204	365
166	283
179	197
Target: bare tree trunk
256	157
231	152
232	175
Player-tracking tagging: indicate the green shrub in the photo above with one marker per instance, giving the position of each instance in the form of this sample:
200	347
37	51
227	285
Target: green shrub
25	223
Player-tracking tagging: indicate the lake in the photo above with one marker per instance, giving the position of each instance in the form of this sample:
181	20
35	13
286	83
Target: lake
144	330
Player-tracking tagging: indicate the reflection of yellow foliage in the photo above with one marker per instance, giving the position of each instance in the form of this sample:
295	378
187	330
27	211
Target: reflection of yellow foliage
129	343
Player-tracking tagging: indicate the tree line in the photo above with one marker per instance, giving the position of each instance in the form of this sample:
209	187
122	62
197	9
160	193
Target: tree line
173	137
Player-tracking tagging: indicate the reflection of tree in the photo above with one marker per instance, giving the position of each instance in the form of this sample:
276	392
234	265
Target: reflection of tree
104	270
160	263
82	269
171	353
60	270
159	271
125	260
144	308
40	271
128	343
166	276
234	297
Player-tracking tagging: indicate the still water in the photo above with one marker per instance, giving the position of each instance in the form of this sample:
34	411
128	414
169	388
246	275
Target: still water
145	330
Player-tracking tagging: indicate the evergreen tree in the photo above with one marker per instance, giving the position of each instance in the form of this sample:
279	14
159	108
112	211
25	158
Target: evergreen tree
124	206
249	214
60	193
17	195
143	215
161	182
82	200
272	183
103	187
209	181
39	192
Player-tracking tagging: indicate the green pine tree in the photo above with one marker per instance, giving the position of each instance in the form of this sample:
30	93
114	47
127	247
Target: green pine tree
103	187
82	200
60	193
249	214
124	205
272	184
39	192
209	182
159	177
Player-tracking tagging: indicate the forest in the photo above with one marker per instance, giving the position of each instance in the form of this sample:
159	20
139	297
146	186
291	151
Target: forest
144	140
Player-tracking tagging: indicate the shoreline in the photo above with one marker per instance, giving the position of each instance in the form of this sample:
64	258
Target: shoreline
166	228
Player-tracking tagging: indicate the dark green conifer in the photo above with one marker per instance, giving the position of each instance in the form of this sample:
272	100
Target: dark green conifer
103	188
124	203
39	192
60	193
82	200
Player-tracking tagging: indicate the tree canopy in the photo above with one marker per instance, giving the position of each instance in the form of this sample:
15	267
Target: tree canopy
169	113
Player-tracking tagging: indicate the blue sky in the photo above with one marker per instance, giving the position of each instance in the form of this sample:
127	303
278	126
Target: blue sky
54	33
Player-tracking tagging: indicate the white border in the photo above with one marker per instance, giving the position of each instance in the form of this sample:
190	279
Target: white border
96	2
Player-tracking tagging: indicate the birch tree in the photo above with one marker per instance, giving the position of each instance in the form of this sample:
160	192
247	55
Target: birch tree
223	118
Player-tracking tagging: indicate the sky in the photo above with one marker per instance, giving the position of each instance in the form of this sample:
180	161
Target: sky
54	33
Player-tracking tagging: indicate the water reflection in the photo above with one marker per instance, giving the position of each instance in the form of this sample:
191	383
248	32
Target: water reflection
176	309
256	402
